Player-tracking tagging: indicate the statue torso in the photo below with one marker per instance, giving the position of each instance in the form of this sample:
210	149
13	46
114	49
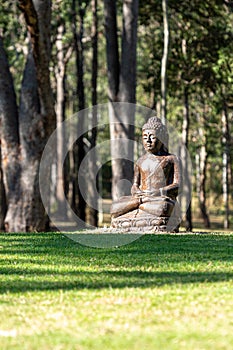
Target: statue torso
155	171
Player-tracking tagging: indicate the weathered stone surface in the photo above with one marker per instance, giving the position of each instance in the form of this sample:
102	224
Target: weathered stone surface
157	178
140	221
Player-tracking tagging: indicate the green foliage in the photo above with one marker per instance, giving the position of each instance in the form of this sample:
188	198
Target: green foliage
200	45
150	36
200	60
162	291
62	13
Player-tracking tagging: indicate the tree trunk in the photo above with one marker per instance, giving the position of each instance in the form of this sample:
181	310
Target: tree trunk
113	62
60	113
202	194
37	115
31	209
184	150
60	72
93	177
202	176
122	88
127	84
37	15
164	62
3	206
225	165
113	66
35	122
79	204
10	147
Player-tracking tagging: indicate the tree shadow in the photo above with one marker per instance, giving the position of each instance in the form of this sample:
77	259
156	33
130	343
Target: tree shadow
45	262
34	281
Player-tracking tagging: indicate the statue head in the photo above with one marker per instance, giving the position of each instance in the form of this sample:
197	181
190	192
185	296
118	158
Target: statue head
154	123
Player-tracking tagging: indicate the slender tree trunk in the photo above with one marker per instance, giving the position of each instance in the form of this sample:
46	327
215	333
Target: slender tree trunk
3	205
113	65
225	165
185	135
202	194
37	15
202	176
113	62
231	164
164	62
79	204
197	177
122	88
127	84
60	113
93	178
60	72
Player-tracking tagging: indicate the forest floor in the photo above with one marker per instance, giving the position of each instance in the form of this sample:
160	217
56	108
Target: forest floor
160	292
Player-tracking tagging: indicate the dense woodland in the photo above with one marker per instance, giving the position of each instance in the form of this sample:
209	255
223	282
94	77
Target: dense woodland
60	57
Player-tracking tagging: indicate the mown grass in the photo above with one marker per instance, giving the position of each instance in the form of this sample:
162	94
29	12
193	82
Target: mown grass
159	292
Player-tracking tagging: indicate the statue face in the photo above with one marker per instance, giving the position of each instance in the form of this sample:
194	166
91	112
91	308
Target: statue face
150	141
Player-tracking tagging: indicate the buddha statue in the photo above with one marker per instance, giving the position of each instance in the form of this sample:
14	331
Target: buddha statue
152	205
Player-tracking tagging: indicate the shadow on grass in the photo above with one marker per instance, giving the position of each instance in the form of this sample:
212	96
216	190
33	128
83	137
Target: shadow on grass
199	247
107	279
47	261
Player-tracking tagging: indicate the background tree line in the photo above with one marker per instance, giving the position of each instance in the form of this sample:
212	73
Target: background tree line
59	57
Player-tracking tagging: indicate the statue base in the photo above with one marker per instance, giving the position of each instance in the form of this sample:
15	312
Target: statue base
141	221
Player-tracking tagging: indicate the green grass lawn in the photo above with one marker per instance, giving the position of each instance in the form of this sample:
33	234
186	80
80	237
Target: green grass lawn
160	292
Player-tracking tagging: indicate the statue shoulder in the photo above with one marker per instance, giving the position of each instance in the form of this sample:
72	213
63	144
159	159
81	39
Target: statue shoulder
141	159
174	158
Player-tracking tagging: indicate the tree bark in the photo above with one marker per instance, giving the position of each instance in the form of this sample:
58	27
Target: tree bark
37	115
164	62
203	155
225	165
26	133
37	15
185	136
122	88
202	194
127	84
3	206
112	50
60	113
93	176
31	209
63	57
10	146
78	203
